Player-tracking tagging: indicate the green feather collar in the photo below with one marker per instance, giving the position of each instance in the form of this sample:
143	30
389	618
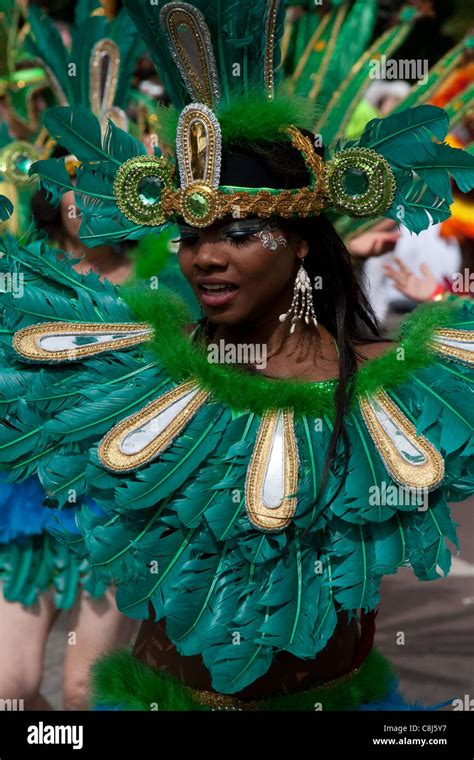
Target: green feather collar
246	392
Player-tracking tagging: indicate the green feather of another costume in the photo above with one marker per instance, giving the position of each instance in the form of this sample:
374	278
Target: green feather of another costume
31	566
72	86
334	119
78	130
422	91
146	19
351	43
155	261
6	208
311	67
45	44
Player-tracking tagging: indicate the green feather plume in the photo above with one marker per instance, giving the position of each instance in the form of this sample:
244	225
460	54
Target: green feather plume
45	44
239	47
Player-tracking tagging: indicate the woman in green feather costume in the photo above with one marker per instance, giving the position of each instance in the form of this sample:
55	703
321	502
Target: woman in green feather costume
262	469
39	578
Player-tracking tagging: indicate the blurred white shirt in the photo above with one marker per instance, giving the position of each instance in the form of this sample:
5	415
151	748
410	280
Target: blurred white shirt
442	255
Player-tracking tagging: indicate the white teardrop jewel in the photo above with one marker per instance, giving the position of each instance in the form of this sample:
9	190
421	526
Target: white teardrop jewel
302	304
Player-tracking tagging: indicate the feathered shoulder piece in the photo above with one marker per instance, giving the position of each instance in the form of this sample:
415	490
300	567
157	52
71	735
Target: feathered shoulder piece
211	479
220	65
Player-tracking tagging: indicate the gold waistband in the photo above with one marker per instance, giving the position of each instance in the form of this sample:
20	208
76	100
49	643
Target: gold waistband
217	701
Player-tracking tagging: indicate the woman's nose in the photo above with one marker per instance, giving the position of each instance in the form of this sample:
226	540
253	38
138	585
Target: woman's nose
209	254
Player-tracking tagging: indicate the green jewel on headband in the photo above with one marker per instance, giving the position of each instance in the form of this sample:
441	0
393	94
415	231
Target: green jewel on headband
16	160
360	182
138	187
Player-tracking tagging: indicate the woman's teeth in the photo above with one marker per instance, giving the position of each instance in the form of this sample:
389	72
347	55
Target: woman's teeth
217	287
217	294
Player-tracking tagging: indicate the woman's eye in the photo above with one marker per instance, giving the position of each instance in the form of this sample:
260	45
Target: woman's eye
239	238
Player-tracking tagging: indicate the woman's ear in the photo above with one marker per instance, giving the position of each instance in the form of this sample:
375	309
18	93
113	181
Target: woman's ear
302	248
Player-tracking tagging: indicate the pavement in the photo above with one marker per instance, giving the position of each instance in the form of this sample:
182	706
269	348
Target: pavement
436	661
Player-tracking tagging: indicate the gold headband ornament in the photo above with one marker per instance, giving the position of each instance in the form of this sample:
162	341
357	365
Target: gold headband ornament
145	193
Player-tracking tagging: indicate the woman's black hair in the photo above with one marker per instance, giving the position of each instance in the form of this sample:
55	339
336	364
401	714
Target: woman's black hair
341	305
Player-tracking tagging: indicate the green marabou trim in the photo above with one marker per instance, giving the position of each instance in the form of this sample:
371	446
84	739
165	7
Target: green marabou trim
120	680
244	392
249	118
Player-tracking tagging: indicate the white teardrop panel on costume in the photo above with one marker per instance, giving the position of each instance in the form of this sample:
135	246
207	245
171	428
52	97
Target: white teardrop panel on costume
137	440
55	343
70	341
142	437
457	345
407	448
272	475
273	488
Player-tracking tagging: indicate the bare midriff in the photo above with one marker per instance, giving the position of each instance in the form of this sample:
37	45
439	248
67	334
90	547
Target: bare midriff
287	674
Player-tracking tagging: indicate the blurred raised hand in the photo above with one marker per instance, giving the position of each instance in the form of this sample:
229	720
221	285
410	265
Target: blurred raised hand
382	238
416	287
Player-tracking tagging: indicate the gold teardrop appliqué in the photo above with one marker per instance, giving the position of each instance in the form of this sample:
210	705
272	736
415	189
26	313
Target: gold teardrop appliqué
143	436
410	459
71	341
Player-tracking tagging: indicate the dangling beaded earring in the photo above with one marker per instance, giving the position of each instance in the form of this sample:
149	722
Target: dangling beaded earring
302	303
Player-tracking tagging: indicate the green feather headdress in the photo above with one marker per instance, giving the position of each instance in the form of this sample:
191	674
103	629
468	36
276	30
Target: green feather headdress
219	63
95	70
18	85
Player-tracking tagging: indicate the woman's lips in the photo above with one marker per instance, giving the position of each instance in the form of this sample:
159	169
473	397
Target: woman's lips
217	295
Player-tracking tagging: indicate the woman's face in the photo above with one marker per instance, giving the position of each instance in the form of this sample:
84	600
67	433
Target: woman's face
70	215
241	270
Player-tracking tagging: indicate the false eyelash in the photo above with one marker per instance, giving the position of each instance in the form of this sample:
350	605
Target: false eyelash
240	238
237	239
181	240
